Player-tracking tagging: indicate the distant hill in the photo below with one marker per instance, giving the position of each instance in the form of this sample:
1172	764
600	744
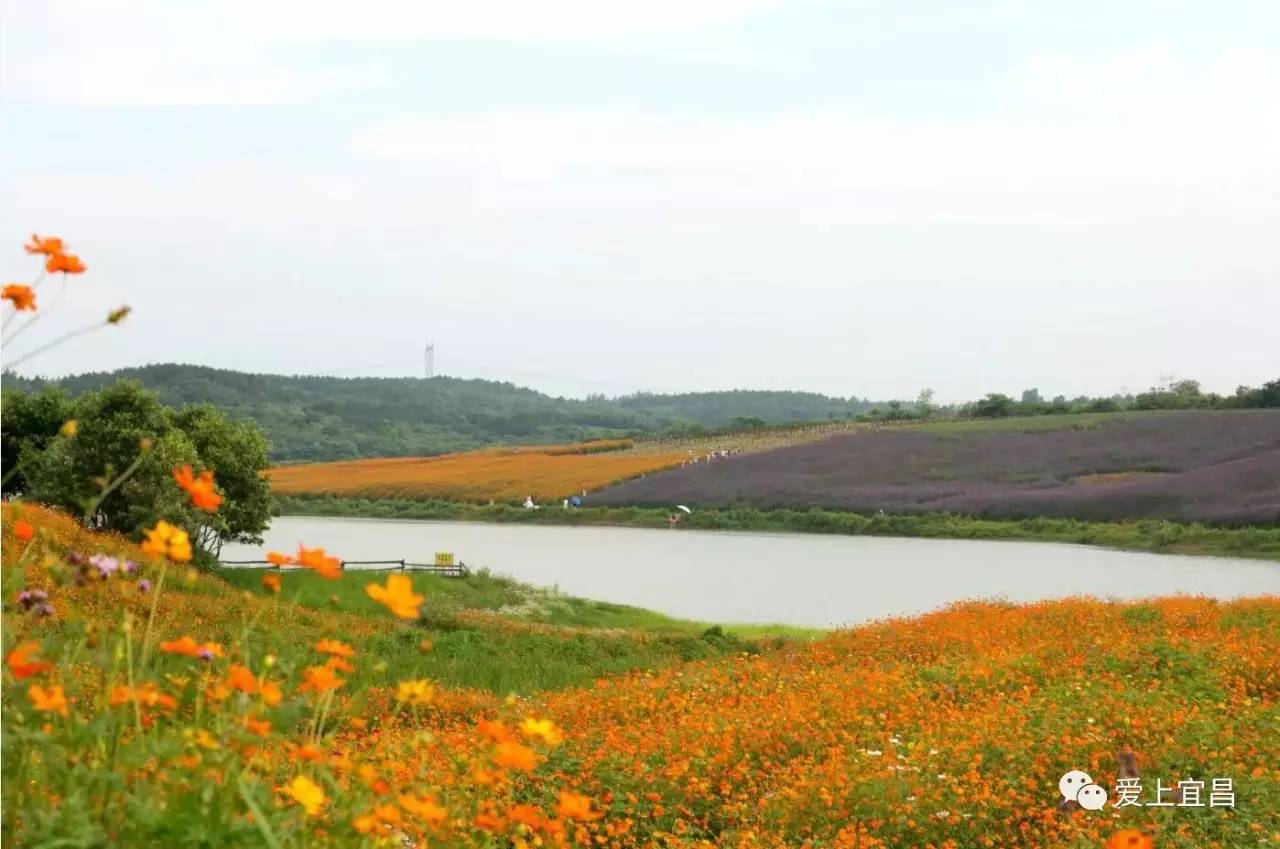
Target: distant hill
328	418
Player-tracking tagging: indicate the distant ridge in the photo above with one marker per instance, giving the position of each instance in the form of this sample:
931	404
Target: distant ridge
326	418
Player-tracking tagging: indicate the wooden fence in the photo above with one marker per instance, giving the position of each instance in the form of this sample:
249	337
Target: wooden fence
447	570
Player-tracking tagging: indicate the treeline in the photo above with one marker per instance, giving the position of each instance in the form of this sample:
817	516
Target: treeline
109	457
329	418
737	406
1178	395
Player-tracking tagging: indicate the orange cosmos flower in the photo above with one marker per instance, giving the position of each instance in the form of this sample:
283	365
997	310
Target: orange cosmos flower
278	559
544	729
424	808
271	582
66	263
20	663
49	245
23	296
188	646
490	821
336	648
308	753
398	596
260	727
575	806
1130	838
242	679
315	558
52	700
515	756
166	540
379	816
527	815
24	530
320	678
145	694
339	664
494	729
308	794
270	693
200	489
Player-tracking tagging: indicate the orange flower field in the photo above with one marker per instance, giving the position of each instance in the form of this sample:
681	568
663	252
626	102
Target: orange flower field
146	704
548	473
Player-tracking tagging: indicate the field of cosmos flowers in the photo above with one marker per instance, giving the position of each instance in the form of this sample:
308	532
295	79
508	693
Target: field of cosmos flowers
547	473
147	704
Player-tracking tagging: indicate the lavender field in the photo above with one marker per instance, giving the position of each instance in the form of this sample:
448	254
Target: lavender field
1211	466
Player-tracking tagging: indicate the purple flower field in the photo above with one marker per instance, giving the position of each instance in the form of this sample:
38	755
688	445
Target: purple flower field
1211	466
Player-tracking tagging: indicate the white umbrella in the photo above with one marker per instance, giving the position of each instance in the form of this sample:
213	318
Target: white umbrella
685	509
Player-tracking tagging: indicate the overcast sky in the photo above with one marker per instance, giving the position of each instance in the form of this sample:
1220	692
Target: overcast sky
858	198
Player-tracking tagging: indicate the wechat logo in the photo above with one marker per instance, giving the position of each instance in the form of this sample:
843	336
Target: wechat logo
1076	786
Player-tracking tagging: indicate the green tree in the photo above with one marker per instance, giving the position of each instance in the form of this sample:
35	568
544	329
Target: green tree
122	429
924	403
117	471
28	423
237	453
995	405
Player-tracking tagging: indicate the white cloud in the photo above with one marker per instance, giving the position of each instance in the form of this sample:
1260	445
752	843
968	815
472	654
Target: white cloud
1140	118
160	52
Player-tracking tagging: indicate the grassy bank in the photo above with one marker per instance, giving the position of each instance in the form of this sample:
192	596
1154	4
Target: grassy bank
484	632
1144	535
494	633
257	729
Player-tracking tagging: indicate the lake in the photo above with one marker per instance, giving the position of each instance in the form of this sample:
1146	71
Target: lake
795	579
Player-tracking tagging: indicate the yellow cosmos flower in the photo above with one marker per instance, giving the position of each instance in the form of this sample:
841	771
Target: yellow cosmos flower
419	692
543	729
308	794
398	596
166	540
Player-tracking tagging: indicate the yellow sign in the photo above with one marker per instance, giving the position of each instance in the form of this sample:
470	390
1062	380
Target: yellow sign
444	558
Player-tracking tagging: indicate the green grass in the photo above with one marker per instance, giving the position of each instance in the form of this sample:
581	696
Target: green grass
1154	535
585	639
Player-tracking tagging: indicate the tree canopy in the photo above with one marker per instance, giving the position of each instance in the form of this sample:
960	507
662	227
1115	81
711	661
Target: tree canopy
125	429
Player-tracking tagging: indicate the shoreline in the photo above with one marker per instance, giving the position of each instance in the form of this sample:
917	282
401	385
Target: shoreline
1150	535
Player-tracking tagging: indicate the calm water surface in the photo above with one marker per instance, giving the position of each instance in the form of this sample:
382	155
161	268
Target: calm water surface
797	579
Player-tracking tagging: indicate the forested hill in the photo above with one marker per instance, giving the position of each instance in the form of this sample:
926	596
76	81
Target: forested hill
322	418
715	409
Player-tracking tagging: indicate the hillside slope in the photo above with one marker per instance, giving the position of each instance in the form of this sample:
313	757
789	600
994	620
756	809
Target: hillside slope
1184	465
329	418
186	712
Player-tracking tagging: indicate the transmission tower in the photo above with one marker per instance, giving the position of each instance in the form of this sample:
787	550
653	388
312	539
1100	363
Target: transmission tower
429	364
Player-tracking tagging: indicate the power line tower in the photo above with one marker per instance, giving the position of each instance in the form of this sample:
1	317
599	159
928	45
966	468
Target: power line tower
429	364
